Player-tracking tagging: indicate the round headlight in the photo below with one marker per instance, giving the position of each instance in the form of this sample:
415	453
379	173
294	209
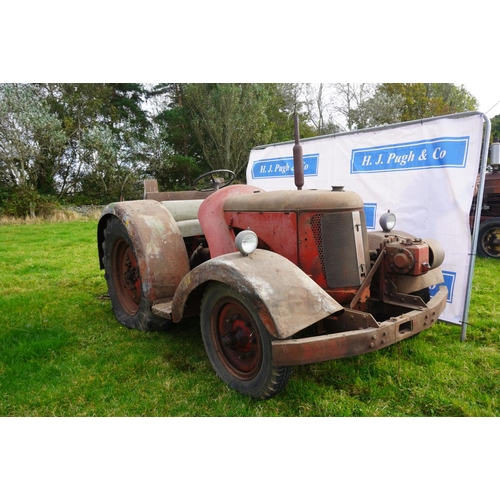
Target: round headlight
246	242
387	221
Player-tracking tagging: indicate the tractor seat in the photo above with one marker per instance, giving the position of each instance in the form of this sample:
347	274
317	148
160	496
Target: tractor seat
185	213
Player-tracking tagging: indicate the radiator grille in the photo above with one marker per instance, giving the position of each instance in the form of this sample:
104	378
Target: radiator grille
335	238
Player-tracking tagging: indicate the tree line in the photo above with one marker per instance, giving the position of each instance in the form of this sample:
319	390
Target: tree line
94	143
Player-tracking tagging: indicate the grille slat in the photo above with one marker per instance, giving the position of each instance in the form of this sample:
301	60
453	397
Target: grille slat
336	242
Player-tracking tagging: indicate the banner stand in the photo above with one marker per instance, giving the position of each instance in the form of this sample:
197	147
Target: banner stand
396	149
477	222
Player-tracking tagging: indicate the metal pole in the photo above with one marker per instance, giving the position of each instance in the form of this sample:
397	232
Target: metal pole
477	222
298	161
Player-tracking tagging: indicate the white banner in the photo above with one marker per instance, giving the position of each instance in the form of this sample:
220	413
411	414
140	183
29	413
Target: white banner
423	172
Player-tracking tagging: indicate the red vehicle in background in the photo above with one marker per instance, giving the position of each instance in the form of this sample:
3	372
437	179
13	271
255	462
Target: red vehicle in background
488	244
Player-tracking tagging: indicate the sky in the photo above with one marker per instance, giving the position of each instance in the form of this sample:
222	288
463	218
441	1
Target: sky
487	93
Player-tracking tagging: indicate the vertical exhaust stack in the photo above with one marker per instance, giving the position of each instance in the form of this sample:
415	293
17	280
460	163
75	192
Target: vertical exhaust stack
298	161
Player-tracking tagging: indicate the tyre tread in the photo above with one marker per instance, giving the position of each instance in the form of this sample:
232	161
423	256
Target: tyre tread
144	320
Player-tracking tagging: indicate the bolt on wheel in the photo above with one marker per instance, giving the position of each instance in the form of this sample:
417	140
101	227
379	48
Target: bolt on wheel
126	277
489	238
239	345
123	277
236	338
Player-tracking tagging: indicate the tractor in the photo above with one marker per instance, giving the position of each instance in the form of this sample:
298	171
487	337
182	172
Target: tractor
278	279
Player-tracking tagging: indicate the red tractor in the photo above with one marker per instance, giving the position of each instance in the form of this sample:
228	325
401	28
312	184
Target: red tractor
278	279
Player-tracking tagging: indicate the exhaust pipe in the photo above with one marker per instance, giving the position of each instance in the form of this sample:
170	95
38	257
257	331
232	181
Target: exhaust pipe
298	161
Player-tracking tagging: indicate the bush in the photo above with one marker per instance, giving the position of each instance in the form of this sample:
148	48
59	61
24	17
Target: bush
24	202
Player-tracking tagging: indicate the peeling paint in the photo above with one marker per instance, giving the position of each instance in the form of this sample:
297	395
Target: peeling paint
268	280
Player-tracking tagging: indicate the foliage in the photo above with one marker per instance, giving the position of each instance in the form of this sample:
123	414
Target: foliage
62	353
30	135
201	127
351	98
288	99
227	120
174	157
419	100
110	176
97	142
25	202
495	127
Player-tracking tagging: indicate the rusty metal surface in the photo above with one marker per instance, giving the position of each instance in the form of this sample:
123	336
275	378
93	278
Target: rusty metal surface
177	195
364	288
150	186
219	236
294	201
378	238
286	299
491	198
157	242
326	347
408	258
276	231
410	284
298	156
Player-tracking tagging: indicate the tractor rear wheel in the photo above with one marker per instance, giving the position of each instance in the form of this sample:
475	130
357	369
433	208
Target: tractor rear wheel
123	277
238	344
488	244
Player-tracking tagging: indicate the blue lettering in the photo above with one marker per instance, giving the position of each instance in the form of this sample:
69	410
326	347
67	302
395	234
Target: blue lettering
283	167
443	152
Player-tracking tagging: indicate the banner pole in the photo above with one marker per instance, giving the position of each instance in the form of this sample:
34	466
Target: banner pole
477	222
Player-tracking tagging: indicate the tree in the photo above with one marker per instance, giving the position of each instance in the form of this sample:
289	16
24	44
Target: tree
380	109
190	123
227	121
29	134
80	107
424	100
320	107
349	102
110	175
174	156
495	127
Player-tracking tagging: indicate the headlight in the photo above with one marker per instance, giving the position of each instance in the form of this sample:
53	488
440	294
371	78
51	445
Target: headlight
387	221
246	242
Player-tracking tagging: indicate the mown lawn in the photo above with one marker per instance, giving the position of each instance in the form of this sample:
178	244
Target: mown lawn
62	353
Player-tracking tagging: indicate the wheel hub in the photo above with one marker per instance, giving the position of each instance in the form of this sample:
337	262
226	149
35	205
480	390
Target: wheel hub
127	277
131	277
240	337
239	344
491	242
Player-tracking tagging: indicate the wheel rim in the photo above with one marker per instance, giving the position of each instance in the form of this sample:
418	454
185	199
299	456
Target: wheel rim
126	277
491	242
236	339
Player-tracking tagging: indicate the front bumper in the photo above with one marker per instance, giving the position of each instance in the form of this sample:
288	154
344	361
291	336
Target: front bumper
292	352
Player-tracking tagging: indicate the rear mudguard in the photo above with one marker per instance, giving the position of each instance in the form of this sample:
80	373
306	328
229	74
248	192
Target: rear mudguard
286	299
157	244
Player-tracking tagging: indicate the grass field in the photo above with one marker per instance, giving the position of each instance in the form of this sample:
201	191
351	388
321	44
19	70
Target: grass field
62	353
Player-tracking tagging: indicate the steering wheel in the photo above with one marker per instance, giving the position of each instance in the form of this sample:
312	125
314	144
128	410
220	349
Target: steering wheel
215	183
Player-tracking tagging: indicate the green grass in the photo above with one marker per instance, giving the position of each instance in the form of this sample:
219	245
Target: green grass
62	353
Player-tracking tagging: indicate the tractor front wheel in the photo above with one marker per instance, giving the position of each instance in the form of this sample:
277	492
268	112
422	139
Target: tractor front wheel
238	344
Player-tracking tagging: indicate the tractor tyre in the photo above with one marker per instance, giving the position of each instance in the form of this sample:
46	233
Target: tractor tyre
238	344
488	242
123	277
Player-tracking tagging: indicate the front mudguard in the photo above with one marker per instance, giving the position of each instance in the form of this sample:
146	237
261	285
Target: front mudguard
157	244
286	299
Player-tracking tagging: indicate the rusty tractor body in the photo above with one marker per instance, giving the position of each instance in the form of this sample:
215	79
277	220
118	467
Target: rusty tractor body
308	283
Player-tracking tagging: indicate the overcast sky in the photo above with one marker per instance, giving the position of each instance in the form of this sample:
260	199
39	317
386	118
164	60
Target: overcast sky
488	95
